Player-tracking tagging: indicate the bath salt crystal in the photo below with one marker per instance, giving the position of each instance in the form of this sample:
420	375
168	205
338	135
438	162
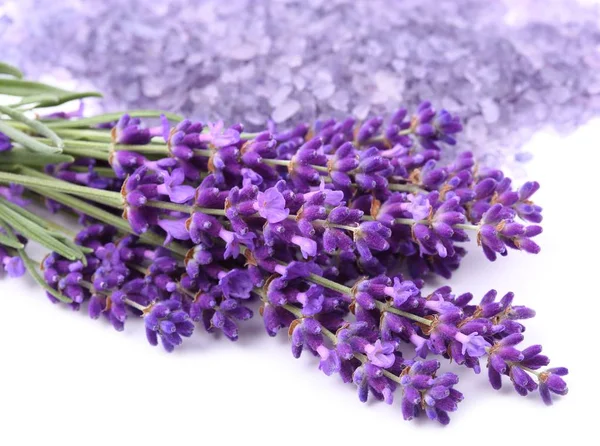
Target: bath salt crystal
508	68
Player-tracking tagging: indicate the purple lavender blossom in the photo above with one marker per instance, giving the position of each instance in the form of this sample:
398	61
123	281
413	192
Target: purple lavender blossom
5	143
551	382
422	391
14	194
498	230
218	136
12	265
270	204
167	321
431	127
381	354
131	131
369	379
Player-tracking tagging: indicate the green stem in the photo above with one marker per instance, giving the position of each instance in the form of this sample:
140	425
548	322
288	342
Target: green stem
381	137
333	225
114	199
78	144
331	284
386	307
10	70
467	227
295	311
85	134
109	218
52	100
139	268
103	171
248	136
104	196
111	117
9	239
183	208
135	305
33	231
26	140
287	163
87	153
330	335
131	303
36	126
147	149
76	148
33	270
406	188
411	222
26	157
43	222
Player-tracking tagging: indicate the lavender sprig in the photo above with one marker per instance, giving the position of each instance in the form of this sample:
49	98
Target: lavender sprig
313	222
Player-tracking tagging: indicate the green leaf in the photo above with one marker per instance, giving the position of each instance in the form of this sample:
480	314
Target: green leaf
36	99
70	243
37	233
25	157
112	117
87	153
31	216
41	94
7	241
52	100
9	238
21	88
26	140
84	134
47	182
84	149
103	171
37	126
54	229
10	70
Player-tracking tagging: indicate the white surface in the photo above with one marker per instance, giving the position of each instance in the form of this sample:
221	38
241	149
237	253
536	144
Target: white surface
65	379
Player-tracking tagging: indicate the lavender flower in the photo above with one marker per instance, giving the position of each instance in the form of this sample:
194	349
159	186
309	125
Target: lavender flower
498	230
381	354
423	391
551	381
12	265
167	321
14	194
270	204
432	127
220	137
130	131
5	143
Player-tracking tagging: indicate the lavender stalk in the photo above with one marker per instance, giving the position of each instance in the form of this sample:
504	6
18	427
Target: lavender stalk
319	224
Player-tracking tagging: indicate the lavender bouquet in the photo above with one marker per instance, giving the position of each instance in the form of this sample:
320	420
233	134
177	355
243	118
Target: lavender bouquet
329	230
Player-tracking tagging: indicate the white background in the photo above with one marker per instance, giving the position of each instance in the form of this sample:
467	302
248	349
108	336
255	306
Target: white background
65	379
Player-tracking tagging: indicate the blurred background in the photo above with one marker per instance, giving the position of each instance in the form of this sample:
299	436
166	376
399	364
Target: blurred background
507	67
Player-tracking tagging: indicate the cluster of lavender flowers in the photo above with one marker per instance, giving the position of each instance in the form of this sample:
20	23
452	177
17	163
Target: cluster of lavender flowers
322	225
392	201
